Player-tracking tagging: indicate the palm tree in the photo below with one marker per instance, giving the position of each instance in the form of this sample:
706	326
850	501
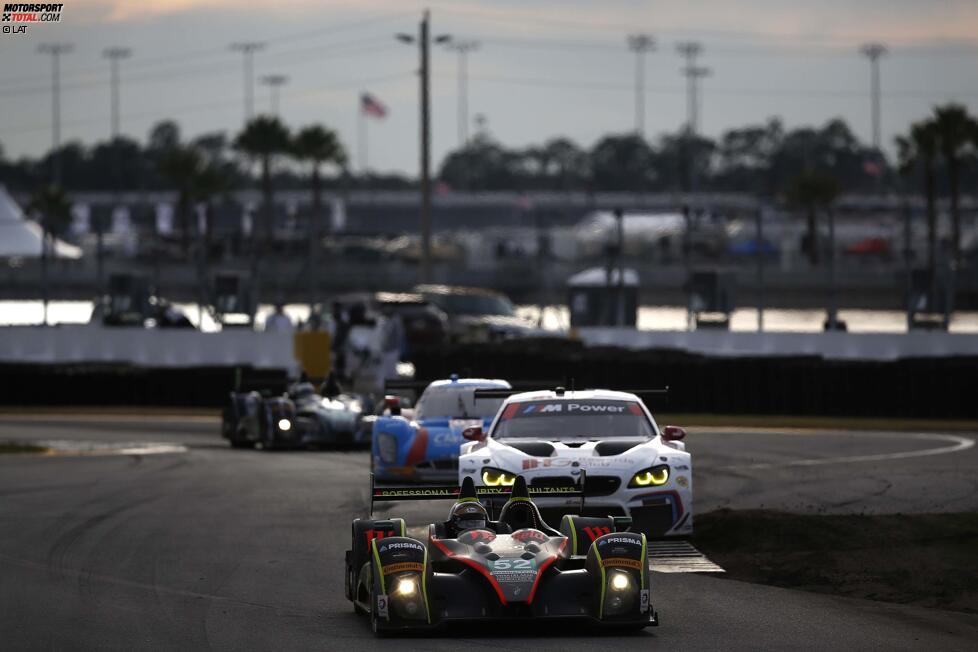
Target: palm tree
920	149
264	138
318	145
954	127
812	192
181	165
53	212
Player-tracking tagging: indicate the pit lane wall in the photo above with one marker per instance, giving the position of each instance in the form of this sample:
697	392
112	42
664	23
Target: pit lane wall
921	375
152	348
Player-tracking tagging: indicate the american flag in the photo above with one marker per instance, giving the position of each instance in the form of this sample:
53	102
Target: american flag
369	105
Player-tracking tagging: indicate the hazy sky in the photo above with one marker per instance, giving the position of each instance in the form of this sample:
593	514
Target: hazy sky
543	68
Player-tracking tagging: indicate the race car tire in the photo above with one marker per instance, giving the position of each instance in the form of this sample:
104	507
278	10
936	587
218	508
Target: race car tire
242	443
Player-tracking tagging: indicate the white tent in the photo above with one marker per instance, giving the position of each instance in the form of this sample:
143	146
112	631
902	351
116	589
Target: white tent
21	238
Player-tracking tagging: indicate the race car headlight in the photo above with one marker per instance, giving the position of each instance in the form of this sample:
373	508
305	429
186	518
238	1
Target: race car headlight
621	593
387	447
619	581
406	587
651	477
284	425
496	478
406	597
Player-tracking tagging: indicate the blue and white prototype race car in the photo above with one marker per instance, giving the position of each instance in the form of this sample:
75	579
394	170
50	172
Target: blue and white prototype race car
553	437
425	445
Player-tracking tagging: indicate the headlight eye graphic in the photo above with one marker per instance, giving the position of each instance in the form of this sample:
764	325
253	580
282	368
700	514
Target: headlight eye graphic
651	477
387	447
496	478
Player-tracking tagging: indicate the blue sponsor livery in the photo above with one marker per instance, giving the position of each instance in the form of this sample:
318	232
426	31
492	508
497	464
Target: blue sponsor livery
424	445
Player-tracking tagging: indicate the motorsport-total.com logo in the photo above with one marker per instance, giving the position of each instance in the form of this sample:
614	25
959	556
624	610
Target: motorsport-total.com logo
24	14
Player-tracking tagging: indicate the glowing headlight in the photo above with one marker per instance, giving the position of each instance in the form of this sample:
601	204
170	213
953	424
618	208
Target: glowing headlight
655	476
406	587
496	478
284	424
620	581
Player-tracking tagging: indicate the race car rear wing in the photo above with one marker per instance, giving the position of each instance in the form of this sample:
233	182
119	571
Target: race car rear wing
492	495
506	393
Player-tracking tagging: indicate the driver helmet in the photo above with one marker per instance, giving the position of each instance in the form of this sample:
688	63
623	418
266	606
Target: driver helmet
470	515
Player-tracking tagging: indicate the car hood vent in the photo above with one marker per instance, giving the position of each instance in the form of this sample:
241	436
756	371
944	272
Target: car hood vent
535	448
610	448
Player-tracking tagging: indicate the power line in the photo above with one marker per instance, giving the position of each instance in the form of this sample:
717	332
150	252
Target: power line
195	55
333	85
369	45
550	82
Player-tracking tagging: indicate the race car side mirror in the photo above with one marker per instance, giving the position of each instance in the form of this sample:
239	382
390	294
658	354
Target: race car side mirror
474	433
673	433
393	404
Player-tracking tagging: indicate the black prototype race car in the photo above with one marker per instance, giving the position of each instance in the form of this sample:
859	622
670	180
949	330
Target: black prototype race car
514	568
301	417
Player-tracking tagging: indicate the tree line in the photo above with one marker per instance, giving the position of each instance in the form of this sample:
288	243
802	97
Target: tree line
807	167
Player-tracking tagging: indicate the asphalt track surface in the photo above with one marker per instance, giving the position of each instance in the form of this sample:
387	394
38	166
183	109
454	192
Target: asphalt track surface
240	550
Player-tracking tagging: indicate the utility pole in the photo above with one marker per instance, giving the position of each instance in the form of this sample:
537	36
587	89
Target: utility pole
55	50
873	51
274	82
422	40
462	48
114	55
248	49
640	44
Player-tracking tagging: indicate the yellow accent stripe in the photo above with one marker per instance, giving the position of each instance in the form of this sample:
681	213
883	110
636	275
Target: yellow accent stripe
380	570
403	527
468	500
645	561
570	519
519	499
424	586
603	581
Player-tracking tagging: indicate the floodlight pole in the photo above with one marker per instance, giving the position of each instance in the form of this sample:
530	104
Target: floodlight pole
248	49
640	44
55	50
873	51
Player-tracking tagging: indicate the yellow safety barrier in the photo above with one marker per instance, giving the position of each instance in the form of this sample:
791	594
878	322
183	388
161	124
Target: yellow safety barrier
313	351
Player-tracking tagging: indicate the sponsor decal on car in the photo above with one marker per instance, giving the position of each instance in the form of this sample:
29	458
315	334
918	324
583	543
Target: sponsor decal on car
564	462
398	545
626	540
382	607
403	567
621	562
682	481
644	601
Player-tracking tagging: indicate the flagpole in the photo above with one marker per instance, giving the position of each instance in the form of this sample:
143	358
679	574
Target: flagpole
362	136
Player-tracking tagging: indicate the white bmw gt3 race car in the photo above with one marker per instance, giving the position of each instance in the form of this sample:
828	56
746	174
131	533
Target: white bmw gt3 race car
631	467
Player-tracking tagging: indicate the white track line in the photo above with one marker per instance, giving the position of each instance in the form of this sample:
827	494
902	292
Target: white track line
960	444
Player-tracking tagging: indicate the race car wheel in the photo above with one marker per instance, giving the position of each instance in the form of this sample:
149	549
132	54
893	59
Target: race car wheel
242	443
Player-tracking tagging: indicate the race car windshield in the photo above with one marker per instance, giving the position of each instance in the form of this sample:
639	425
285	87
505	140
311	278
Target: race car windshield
473	304
573	419
457	403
